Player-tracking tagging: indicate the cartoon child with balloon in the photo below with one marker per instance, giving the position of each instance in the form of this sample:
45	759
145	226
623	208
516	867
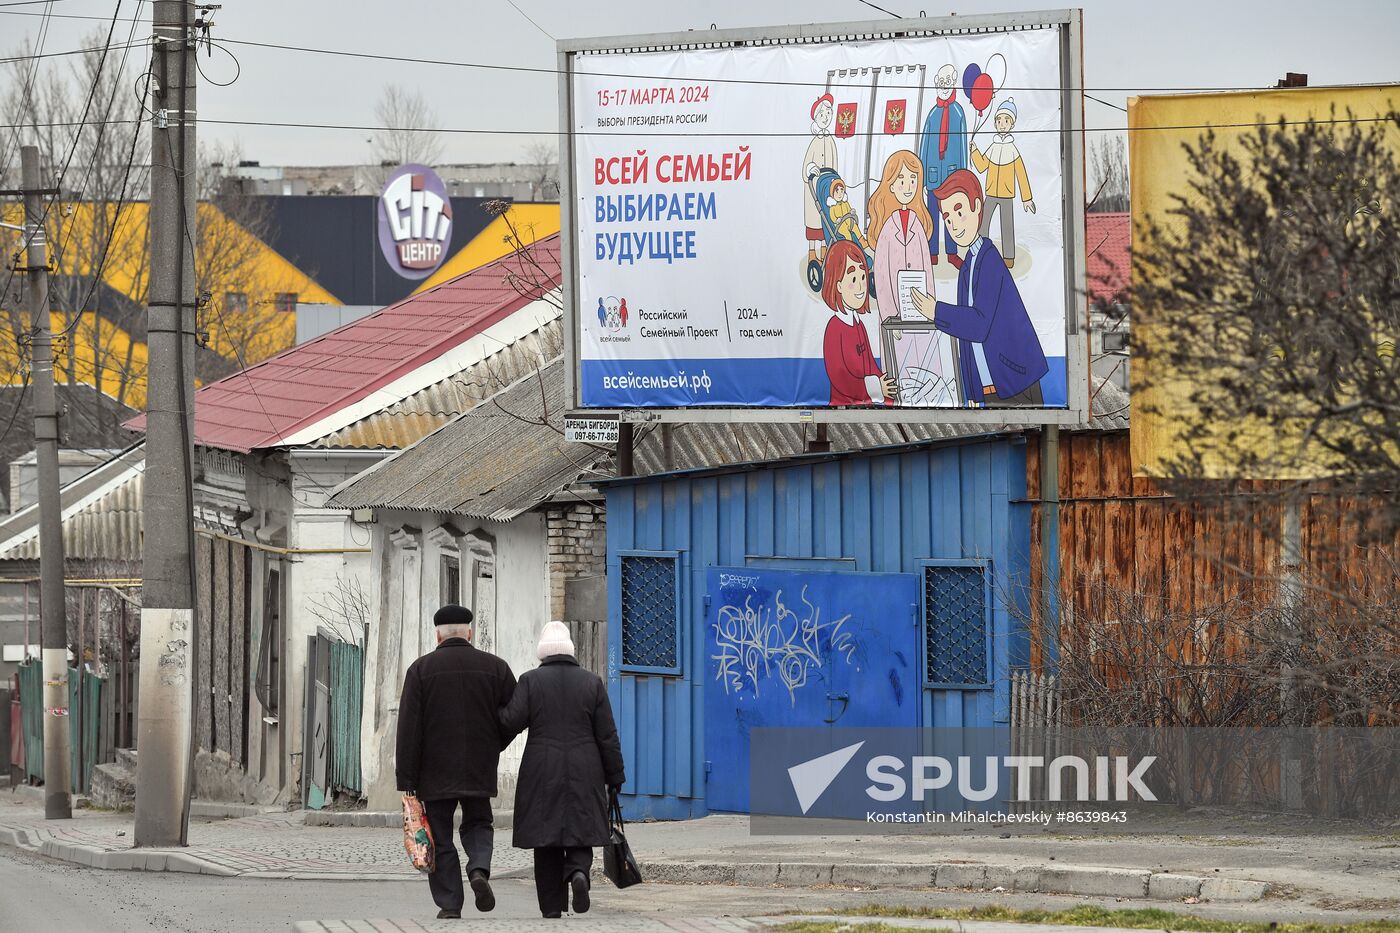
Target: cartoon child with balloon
943	150
1005	171
1000	162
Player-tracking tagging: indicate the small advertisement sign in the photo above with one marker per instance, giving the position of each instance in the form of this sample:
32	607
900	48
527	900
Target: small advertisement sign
415	221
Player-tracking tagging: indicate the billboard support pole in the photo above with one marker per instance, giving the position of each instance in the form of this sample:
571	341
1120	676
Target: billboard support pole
1049	545
568	246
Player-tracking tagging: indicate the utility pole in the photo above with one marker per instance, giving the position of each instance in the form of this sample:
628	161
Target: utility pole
165	733
53	617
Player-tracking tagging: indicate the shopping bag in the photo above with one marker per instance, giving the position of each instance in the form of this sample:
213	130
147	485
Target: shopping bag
618	863
417	837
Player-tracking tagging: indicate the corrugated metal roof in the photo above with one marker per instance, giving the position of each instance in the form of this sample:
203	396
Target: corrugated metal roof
101	515
406	421
271	401
702	445
509	454
495	462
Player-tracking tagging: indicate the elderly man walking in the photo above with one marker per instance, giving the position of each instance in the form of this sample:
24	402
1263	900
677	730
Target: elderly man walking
449	744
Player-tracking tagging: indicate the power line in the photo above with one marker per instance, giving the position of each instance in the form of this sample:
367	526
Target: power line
102	133
1099	100
738	134
11	59
87	106
532	69
539	69
26	94
880	8
531	21
107	244
83	16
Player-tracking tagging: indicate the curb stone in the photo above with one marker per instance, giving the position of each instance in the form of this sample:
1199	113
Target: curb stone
1022	879
1233	889
882	876
1062	879
960	876
1168	886
1110	882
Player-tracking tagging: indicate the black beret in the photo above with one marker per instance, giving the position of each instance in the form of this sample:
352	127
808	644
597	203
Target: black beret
452	615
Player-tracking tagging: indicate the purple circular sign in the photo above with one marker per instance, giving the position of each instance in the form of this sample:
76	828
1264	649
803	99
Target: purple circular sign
415	221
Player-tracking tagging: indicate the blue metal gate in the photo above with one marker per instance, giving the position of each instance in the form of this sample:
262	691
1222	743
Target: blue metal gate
793	648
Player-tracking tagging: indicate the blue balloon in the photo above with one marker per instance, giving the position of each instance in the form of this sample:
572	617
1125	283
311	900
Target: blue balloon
970	75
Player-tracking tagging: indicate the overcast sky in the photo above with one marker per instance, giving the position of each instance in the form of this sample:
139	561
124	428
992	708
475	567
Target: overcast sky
1129	45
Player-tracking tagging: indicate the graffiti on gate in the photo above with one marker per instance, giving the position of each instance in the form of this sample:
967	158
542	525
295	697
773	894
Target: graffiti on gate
756	642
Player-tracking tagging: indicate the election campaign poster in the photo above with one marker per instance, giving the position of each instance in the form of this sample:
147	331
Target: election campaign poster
875	224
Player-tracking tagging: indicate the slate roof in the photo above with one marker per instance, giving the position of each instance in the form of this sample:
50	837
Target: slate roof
509	454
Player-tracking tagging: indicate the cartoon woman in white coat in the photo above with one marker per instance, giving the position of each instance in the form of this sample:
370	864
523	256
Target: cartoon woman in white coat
899	225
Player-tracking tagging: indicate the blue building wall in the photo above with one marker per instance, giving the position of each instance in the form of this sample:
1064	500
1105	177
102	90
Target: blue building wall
871	512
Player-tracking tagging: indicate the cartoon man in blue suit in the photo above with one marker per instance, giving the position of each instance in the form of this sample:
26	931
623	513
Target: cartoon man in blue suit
999	354
943	150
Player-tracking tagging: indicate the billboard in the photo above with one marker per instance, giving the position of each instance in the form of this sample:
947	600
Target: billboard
1177	417
881	225
415	221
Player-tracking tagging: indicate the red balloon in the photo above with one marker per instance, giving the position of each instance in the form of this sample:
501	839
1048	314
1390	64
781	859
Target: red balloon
982	92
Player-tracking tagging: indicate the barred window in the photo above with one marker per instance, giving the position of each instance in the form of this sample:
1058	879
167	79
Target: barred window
955	624
650	617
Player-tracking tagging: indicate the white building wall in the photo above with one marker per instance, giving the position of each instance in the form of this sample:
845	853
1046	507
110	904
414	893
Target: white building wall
416	542
325	548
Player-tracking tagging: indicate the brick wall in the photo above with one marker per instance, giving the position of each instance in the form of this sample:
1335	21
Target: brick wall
577	547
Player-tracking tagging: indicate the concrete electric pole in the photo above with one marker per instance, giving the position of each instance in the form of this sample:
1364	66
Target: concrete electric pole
53	616
164	765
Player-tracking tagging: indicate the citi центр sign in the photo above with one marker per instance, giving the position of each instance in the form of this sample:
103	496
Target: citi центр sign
415	221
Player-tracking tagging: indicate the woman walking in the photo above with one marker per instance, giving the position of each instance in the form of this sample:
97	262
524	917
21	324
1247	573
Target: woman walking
572	762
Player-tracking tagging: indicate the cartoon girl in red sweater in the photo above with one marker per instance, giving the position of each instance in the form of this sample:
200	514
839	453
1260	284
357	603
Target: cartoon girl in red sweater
850	365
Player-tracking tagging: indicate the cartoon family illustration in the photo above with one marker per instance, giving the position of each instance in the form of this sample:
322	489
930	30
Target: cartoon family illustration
612	312
928	206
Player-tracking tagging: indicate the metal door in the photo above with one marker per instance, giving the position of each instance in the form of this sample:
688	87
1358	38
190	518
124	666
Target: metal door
794	648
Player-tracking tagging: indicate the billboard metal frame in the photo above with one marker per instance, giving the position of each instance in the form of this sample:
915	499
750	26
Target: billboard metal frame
1069	23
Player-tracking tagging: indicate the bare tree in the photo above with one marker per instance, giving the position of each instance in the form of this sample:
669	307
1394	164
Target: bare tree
1108	174
1271	296
96	226
98	232
408	120
240	316
543	161
343	610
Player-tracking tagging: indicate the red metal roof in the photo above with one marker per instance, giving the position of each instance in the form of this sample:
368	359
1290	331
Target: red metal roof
300	386
1108	237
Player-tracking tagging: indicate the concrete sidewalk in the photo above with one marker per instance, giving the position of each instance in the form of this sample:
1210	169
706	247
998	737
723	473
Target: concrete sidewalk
1220	862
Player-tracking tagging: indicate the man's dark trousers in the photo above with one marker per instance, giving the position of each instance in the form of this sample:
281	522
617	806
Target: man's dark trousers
446	879
554	866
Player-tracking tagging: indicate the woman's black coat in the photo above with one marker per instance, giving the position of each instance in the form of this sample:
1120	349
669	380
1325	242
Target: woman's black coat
571	757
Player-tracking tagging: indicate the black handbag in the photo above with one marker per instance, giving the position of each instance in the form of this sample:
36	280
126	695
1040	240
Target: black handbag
618	862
